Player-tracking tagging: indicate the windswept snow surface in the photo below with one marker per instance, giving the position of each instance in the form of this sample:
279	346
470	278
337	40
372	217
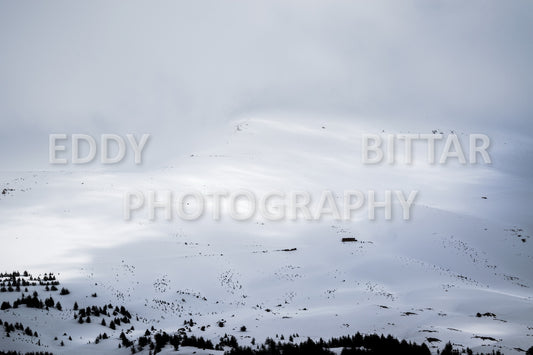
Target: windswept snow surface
458	255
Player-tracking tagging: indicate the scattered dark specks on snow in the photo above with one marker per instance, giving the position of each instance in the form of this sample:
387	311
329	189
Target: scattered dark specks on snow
487	314
287	249
485	338
409	314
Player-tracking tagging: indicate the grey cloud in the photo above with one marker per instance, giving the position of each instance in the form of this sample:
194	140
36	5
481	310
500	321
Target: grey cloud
177	68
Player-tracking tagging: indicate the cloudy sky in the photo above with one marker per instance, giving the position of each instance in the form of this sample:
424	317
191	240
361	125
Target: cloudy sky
183	70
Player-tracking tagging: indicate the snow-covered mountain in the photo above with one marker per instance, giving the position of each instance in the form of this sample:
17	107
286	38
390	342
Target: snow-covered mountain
459	270
273	101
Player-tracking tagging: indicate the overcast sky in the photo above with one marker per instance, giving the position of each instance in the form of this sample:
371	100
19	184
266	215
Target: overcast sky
183	70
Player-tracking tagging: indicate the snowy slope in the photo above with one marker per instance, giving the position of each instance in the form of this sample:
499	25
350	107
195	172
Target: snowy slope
460	253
